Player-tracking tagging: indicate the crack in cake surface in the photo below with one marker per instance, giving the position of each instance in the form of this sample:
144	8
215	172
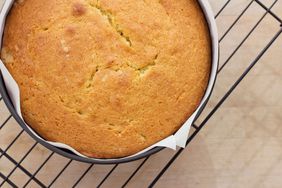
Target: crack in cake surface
112	21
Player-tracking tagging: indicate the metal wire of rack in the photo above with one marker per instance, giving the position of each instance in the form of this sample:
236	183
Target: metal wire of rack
34	181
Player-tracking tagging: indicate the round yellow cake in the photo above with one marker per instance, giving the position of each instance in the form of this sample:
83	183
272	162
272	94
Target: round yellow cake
107	77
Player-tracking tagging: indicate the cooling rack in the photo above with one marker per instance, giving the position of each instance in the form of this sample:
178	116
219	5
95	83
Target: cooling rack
36	166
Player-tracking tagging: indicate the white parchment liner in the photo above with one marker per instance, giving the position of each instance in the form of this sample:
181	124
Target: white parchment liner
178	139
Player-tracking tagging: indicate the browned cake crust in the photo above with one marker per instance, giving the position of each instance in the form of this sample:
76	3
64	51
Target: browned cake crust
107	77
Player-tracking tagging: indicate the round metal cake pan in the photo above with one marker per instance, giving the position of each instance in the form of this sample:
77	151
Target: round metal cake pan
66	153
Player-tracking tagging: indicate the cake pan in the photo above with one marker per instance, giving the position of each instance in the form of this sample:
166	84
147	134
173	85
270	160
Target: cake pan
205	6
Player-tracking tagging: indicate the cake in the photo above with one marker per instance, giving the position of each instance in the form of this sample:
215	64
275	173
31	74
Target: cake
107	77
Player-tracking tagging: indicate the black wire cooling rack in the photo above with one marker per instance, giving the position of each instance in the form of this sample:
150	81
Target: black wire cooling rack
31	176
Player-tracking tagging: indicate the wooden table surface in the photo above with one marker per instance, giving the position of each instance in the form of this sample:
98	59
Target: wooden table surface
240	146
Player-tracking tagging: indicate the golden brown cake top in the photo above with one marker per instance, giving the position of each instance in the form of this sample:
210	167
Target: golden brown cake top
107	77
